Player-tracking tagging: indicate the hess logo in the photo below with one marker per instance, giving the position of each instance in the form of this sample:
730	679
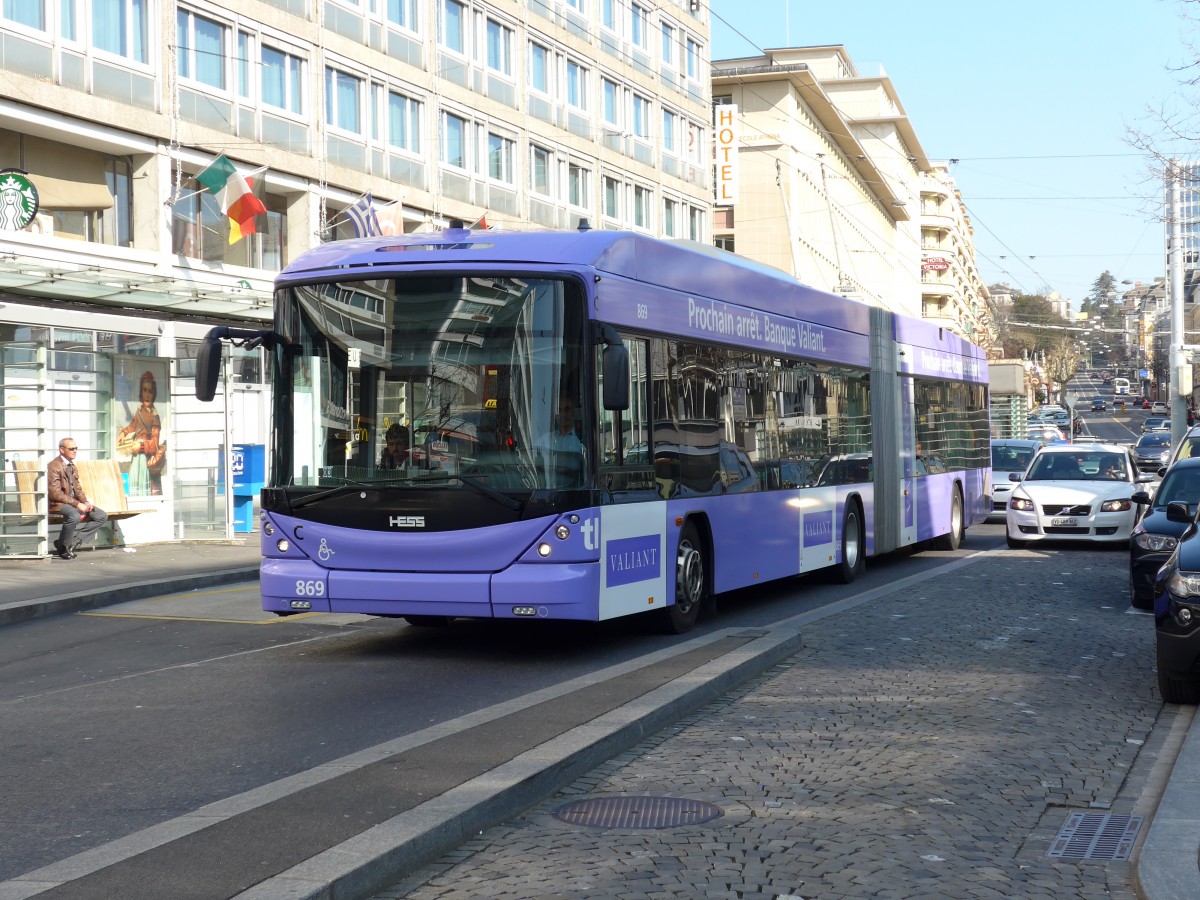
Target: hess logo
406	521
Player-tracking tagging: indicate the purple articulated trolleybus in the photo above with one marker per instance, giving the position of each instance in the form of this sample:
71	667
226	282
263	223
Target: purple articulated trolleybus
591	424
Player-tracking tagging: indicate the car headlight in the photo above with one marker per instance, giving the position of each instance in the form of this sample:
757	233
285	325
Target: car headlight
1116	505
1020	503
1156	542
1184	584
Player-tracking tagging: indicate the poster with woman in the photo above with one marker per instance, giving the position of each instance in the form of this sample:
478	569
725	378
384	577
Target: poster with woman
141	406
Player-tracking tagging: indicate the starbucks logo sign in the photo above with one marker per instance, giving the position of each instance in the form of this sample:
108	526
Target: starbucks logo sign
18	200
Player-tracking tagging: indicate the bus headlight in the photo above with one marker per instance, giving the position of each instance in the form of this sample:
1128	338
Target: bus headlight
282	545
543	550
562	532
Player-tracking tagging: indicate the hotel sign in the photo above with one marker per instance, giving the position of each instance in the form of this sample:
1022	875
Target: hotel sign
725	124
18	200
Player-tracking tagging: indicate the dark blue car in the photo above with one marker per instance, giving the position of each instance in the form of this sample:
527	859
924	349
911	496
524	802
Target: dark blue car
1155	537
1177	611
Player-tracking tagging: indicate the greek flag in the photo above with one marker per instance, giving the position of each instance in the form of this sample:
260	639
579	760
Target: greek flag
362	217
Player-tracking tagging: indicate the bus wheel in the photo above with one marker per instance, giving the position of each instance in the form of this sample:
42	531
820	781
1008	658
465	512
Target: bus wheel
854	555
953	540
428	621
691	584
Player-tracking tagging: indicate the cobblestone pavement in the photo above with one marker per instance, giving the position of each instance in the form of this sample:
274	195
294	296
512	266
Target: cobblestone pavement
929	744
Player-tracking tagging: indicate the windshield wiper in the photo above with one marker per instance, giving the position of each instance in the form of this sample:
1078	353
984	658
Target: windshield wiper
333	492
473	483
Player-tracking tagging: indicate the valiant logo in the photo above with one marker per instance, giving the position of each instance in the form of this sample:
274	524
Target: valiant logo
818	528
633	559
406	521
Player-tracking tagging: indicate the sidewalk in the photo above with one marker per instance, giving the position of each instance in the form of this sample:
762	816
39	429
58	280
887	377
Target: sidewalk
871	762
31	588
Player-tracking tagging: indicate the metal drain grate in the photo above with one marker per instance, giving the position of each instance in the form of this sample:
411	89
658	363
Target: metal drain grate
1095	836
637	812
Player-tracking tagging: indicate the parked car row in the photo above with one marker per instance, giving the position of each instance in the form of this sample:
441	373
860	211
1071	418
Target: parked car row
1101	492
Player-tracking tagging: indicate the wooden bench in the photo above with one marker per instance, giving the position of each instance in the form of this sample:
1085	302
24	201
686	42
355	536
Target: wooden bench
101	481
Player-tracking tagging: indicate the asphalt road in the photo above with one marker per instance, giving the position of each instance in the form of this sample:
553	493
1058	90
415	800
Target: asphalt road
126	717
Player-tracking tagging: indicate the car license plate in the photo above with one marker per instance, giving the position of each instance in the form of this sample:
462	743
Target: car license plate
1064	521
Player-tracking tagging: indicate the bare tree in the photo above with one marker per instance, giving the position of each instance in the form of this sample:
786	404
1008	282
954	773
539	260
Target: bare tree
1062	361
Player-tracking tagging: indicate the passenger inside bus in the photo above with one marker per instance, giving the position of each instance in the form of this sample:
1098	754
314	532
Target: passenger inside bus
396	451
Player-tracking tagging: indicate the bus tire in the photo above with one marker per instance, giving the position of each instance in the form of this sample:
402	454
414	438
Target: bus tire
854	545
692	590
952	540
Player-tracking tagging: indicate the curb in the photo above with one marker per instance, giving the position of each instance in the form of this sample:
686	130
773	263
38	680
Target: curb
1167	866
379	856
27	610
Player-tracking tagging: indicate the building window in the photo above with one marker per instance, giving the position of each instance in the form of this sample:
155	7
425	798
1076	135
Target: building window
453	21
641	206
120	27
404	122
200	230
500	158
695	224
203	49
639	25
576	85
499	47
695	143
403	13
539	65
241	63
608	14
455	143
641	117
670	135
670	207
343	98
612	198
30	13
580	5
668	45
612	114
539	170
116	222
577	185
282	80
693	60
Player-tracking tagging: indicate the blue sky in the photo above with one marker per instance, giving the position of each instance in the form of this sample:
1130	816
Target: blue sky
1033	99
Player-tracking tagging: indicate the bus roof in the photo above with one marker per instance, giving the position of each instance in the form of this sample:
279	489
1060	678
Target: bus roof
685	266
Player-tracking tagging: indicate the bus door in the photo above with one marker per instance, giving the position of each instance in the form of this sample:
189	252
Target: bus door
908	465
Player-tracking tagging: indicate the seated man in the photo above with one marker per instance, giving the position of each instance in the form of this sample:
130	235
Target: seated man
66	497
562	448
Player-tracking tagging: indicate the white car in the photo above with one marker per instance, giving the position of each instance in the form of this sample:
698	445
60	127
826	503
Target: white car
1075	493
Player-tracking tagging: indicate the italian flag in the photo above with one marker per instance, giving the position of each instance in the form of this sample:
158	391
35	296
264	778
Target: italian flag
235	196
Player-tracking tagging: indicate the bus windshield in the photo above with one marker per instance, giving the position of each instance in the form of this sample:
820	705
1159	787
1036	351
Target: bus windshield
434	380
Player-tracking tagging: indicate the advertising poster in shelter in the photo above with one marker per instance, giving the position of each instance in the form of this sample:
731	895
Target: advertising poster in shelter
141	422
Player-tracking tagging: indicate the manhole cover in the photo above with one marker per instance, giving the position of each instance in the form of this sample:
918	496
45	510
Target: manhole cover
1095	836
637	812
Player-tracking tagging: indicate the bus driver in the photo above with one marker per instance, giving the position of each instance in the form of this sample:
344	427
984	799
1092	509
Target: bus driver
563	446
